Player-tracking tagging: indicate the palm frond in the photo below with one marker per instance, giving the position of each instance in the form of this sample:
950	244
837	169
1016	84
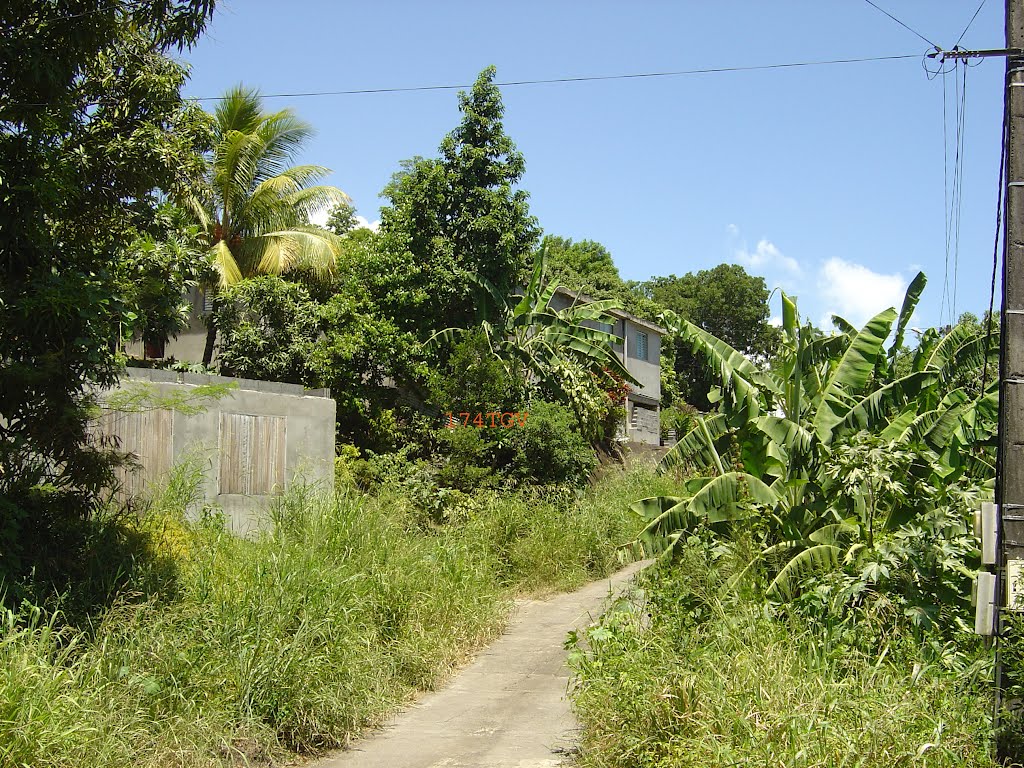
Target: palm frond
225	264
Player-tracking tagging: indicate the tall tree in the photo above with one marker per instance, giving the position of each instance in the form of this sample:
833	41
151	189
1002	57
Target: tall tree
91	123
255	207
458	217
727	303
585	266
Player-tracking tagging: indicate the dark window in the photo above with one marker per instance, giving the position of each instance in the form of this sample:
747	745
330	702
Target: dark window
154	348
641	346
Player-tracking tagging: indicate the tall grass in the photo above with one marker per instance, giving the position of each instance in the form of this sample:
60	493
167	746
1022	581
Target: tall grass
694	679
216	650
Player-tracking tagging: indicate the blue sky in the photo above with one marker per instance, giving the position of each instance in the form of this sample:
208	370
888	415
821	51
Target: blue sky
830	181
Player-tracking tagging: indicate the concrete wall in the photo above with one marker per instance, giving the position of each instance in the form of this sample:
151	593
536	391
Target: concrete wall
647	372
644	423
253	442
190	343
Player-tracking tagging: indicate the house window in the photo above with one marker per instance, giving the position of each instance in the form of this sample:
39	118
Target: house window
641	346
153	349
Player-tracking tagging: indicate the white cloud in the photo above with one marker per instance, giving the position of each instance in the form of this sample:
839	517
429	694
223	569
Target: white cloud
363	223
766	257
856	292
320	217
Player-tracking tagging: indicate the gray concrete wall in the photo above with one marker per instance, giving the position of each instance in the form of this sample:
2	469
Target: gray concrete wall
190	343
290	435
644	424
647	372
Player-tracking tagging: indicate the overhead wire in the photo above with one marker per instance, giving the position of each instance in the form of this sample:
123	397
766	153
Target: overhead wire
902	24
980	6
583	79
961	134
953	189
945	194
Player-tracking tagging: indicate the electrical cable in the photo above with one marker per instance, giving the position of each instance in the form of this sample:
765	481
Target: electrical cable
961	132
945	197
980	6
584	79
989	320
908	28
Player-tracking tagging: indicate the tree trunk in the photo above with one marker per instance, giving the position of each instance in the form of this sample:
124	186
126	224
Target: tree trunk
211	339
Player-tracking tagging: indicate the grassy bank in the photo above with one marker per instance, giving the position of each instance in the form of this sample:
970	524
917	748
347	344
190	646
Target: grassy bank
686	676
214	650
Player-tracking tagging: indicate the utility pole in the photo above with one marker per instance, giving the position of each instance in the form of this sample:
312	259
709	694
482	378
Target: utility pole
1001	581
1010	464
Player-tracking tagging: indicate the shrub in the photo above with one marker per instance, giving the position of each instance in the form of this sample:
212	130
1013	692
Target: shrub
681	676
548	447
680	416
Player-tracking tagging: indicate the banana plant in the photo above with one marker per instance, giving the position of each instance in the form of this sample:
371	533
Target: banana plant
768	447
564	350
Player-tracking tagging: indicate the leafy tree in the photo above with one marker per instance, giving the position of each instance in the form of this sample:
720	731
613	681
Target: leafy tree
156	272
456	218
269	327
342	219
255	208
474	380
273	329
359	355
585	266
727	303
91	124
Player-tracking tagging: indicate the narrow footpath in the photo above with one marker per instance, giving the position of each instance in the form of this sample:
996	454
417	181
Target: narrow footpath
507	709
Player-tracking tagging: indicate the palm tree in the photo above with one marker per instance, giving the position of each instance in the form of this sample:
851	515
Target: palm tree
256	208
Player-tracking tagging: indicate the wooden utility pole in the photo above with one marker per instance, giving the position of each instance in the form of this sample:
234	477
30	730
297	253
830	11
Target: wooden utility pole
1010	465
1010	482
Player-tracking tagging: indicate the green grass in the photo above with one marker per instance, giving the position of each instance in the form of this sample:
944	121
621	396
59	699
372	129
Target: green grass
216	650
695	679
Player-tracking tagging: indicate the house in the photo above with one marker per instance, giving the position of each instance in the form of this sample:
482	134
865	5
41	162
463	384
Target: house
252	439
189	344
640	353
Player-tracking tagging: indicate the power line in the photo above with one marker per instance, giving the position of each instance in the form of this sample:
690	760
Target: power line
945	194
961	133
908	28
585	79
980	6
995	246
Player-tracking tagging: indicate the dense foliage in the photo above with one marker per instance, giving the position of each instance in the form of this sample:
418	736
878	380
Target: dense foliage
456	219
92	124
686	672
839	461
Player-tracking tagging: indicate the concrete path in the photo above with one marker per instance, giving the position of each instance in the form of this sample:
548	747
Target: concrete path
507	709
